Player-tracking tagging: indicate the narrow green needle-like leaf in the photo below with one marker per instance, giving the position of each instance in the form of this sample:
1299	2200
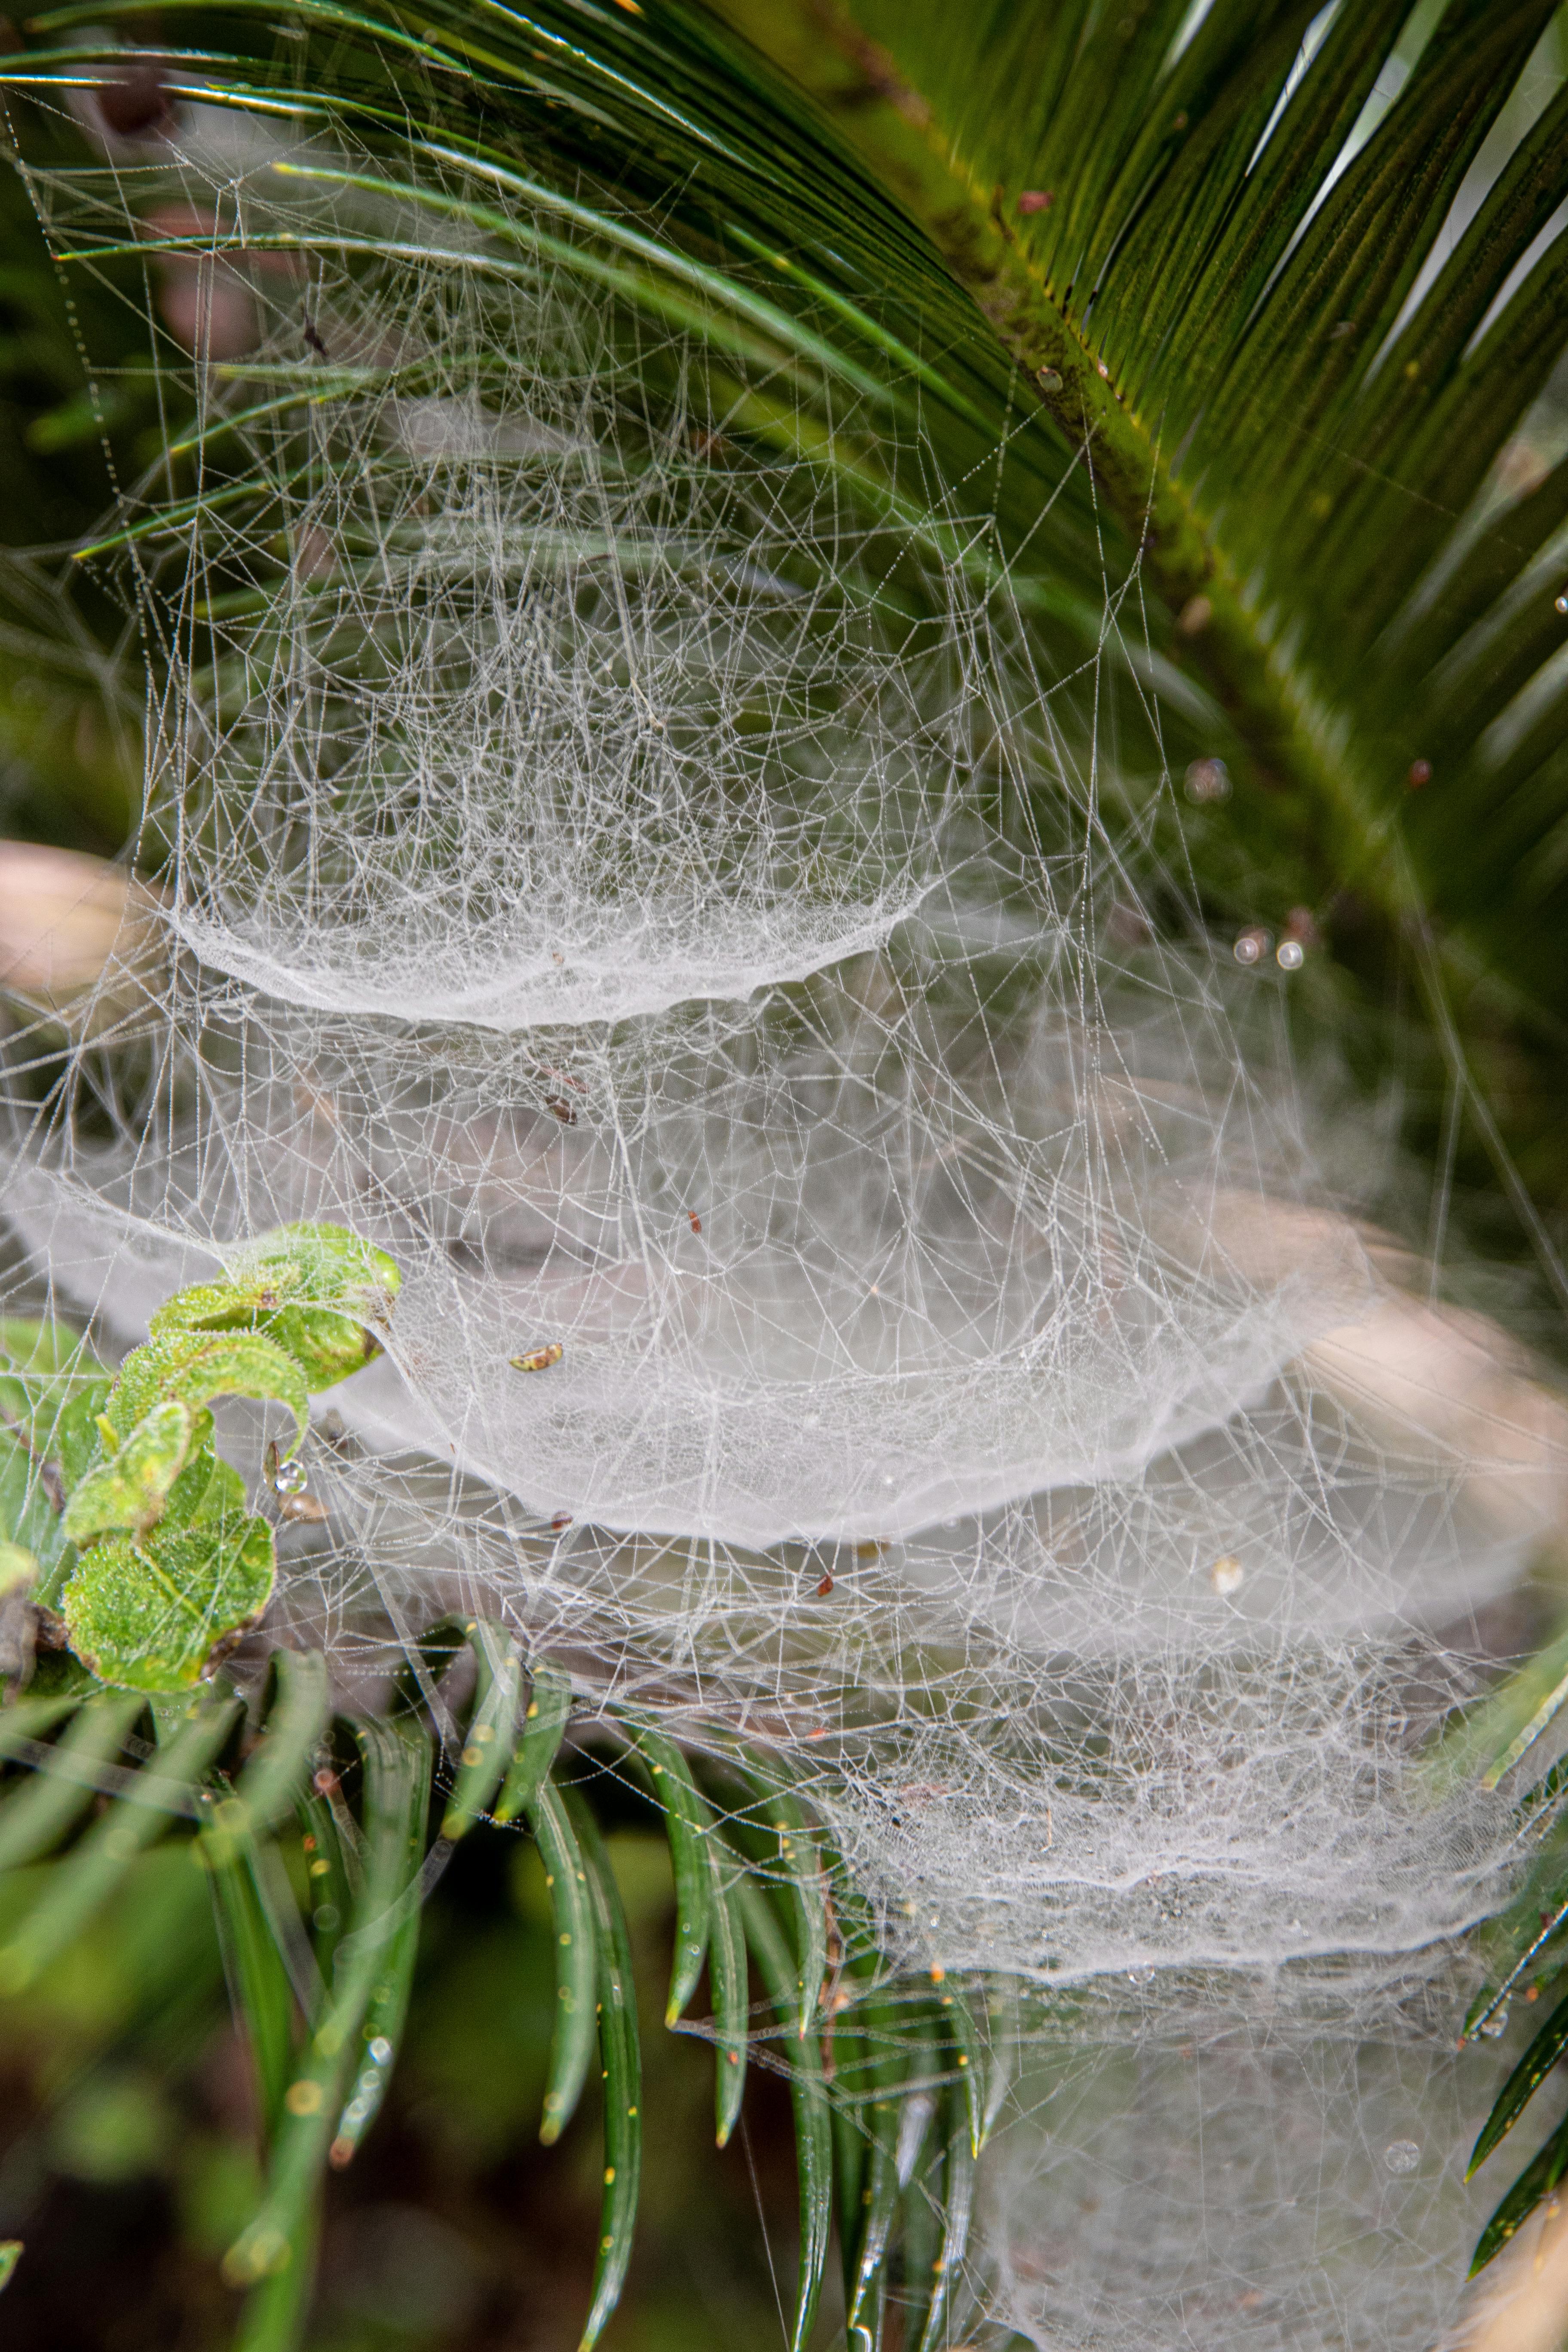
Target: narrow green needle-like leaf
32	1718
272	1783
572	1922
971	2055
881	2114
257	1975
278	2307
800	1861
1526	2079
291	1732
147	1804
727	1977
36	1817
808	2095
1524	1740
380	2038
921	2237
278	2242
688	1828
488	1748
1518	1940
549	1705
958	2207
1535	2182
847	2058
620	2058
333	1877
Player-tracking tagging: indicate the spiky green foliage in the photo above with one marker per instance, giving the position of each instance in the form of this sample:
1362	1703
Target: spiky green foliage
1275	384
322	1984
1148	273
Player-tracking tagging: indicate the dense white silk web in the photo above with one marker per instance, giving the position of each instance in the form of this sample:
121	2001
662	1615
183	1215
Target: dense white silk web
669	907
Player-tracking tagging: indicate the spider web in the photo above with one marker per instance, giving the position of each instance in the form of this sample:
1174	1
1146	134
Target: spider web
674	905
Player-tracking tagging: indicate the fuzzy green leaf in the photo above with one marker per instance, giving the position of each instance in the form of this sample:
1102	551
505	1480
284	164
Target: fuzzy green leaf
18	1567
130	1489
147	1616
43	1365
318	1291
192	1367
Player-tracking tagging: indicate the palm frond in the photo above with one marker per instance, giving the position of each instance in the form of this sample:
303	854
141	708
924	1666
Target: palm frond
1200	298
1292	334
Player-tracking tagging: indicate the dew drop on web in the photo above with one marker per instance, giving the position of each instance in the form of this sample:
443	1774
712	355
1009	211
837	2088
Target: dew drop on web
1401	2155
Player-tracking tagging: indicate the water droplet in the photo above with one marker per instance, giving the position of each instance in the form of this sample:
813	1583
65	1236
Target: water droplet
1289	955
1252	945
379	2049
1206	781
1403	2155
1227	1574
289	1478
1050	379
1495	2024
1561	604
1140	1976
